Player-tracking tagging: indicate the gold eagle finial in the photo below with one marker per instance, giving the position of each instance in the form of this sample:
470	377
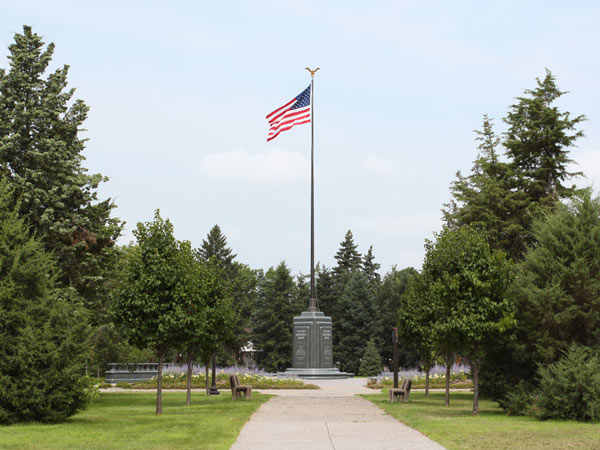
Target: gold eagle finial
312	72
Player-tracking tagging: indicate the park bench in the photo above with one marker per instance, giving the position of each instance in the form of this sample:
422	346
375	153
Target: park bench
237	388
401	393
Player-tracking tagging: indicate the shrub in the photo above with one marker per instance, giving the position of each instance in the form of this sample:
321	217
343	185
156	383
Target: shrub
519	400
43	332
570	387
371	361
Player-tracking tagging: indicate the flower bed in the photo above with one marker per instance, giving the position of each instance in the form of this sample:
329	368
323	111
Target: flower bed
179	381
437	380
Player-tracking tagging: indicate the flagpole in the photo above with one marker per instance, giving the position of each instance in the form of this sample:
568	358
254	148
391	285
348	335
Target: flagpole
312	305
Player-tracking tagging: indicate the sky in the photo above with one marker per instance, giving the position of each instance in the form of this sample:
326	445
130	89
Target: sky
179	92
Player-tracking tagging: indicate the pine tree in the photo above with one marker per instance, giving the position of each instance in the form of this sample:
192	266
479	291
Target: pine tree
43	333
348	258
277	305
370	364
358	321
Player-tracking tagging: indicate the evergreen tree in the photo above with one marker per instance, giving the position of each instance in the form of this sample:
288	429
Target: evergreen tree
537	142
557	291
243	285
41	157
485	199
326	290
370	364
348	258
370	268
277	305
215	246
358	321
43	333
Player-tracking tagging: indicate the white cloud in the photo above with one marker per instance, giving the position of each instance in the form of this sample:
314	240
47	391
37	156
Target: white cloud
272	166
377	166
418	225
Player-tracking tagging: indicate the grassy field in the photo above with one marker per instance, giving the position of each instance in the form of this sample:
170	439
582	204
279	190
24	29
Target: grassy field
128	421
456	428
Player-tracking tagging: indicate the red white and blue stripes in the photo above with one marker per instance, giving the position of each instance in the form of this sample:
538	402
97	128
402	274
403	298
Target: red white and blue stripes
295	112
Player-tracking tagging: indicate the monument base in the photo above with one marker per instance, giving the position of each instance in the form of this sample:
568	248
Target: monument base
313	348
315	374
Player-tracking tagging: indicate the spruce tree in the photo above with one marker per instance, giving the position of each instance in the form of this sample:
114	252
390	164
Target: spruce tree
485	199
326	290
43	333
358	321
41	157
215	246
278	303
243	285
370	364
538	141
370	268
348	258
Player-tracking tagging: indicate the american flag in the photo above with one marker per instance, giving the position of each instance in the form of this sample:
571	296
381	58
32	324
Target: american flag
294	112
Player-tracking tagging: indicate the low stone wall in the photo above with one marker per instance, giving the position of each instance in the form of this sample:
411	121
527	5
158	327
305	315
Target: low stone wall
131	372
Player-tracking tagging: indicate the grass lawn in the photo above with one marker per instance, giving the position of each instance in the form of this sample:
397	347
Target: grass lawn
128	421
456	428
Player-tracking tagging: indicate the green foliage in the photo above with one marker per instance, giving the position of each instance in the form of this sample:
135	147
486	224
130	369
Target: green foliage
41	157
370	268
503	198
357	321
466	287
416	318
537	141
558	289
242	284
370	364
210	317
348	258
153	300
569	389
389	301
43	331
215	246
485	199
277	305
150	302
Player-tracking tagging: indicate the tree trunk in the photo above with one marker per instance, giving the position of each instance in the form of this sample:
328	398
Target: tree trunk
427	368
190	364
475	375
449	361
161	355
206	372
